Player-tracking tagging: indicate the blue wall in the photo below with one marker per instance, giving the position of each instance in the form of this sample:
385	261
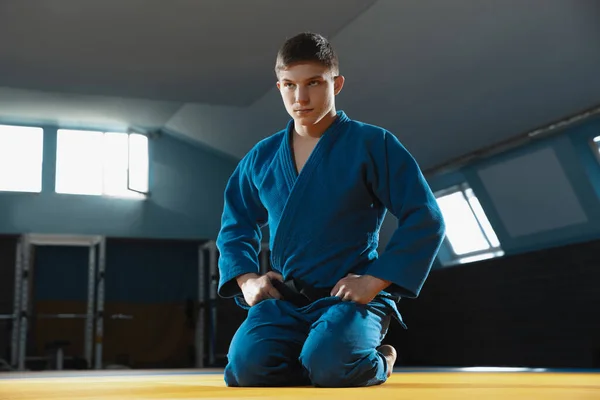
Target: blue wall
582	169
186	182
137	271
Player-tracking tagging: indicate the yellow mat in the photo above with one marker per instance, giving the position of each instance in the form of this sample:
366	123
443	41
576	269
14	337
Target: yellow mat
402	385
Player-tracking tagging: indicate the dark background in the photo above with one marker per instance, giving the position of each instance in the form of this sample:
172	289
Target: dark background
538	309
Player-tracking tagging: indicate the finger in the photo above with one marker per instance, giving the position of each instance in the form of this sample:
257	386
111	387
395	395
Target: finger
343	296
275	275
341	292
334	290
337	287
273	293
347	296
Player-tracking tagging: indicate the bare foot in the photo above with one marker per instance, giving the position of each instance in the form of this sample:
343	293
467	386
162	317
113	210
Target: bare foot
390	356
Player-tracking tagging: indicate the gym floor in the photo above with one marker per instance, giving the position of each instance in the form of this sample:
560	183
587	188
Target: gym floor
414	384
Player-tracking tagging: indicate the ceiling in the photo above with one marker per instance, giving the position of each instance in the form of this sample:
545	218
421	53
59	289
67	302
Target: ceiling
447	78
217	52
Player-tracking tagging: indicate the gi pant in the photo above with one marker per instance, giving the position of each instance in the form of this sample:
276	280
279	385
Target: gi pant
330	343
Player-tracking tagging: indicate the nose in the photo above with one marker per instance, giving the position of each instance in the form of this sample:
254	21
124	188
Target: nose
302	95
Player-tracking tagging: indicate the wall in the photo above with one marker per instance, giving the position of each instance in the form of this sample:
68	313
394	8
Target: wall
462	317
541	195
151	260
187	186
535	310
536	306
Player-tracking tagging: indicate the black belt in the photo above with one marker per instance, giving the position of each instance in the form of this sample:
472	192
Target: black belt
297	294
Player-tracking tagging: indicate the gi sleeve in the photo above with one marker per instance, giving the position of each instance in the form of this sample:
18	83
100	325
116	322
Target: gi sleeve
397	181
240	235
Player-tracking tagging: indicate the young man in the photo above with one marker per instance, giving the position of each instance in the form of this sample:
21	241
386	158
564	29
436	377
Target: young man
323	186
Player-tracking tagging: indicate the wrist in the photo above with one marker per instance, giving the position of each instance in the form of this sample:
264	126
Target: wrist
242	279
378	284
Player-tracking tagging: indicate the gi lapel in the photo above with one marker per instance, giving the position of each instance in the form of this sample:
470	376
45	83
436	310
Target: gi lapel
298	183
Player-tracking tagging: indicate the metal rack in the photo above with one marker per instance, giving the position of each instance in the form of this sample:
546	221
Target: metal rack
13	318
208	256
95	310
16	305
94	316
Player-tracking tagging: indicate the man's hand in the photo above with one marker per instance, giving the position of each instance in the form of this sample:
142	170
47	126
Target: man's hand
257	288
361	289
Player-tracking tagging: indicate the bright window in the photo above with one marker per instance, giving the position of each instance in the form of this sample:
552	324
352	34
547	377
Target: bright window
21	156
469	233
139	163
102	163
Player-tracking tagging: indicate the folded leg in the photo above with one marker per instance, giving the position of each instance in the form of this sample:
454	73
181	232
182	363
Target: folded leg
265	349
341	349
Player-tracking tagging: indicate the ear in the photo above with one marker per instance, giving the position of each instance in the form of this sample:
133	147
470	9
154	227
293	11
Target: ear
278	85
338	84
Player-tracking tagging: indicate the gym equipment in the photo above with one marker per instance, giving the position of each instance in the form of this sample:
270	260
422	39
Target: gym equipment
14	317
95	310
94	316
208	255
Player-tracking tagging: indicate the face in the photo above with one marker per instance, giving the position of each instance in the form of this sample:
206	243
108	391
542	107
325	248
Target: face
308	91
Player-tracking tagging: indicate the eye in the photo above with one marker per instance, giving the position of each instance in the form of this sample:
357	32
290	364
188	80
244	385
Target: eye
313	83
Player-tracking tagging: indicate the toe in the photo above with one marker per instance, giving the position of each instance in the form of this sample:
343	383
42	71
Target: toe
390	355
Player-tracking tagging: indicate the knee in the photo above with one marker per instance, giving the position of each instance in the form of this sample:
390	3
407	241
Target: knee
250	358
323	368
338	355
328	361
247	365
337	367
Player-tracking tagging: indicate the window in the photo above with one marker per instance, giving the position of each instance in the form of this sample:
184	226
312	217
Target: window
595	147
469	234
597	144
21	156
102	163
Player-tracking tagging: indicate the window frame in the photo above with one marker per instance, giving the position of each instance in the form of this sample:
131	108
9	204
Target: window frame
144	194
595	146
42	160
473	256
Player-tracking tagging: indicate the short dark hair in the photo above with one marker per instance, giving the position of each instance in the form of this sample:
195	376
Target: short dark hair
307	46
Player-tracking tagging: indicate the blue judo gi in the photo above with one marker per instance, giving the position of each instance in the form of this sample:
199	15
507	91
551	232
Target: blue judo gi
324	223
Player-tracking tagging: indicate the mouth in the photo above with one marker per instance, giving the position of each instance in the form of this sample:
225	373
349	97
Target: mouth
303	110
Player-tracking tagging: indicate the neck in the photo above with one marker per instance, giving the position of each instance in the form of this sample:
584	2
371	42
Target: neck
316	130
